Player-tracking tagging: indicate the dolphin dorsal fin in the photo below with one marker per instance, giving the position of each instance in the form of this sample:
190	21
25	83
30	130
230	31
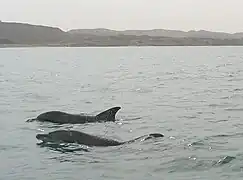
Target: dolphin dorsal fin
108	115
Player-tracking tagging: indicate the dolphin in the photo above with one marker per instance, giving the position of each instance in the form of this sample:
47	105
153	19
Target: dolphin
67	118
72	136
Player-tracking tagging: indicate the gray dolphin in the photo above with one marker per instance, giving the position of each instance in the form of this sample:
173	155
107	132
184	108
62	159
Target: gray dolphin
71	136
66	118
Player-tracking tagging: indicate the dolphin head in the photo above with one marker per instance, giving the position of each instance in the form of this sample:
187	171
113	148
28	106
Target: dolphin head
44	116
58	136
44	137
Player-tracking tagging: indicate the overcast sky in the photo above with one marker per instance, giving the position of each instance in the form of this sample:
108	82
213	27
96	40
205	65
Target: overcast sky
215	15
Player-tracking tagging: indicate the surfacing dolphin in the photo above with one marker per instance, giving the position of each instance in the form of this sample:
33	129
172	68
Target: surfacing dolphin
66	118
71	136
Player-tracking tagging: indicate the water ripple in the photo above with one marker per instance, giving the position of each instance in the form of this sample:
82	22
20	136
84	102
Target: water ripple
192	95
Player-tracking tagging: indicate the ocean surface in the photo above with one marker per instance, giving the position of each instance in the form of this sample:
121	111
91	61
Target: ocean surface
192	95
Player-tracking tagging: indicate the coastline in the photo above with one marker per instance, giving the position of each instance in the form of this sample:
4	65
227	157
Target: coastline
20	35
2	46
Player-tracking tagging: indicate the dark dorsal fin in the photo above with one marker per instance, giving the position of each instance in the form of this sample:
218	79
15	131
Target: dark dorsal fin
108	115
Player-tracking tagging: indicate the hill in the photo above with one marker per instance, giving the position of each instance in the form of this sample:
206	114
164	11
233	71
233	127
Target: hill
159	33
6	41
23	34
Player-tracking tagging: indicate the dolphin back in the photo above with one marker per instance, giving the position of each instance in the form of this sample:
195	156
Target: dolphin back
63	117
108	115
72	136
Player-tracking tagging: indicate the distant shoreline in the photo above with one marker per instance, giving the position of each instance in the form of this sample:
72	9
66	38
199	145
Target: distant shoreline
19	35
107	46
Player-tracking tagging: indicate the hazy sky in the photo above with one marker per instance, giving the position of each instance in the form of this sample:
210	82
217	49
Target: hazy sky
216	15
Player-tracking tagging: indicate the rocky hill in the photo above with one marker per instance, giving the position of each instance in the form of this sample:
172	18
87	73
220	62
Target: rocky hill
21	33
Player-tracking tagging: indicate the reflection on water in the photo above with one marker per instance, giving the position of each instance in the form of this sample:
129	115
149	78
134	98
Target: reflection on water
64	148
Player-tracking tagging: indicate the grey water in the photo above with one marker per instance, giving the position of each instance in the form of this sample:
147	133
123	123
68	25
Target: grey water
192	95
